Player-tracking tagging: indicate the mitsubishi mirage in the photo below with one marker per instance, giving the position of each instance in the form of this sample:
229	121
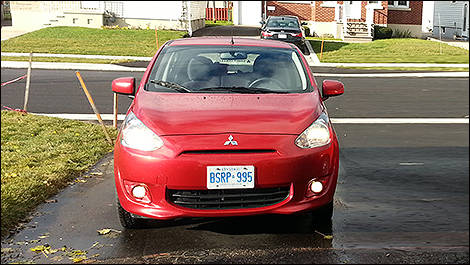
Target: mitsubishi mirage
225	127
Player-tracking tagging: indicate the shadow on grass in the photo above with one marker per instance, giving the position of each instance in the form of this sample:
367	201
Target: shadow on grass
328	46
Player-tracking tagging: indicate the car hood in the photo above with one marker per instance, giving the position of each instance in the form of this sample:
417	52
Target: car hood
183	113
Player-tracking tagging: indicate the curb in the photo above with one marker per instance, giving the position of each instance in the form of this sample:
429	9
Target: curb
313	56
71	66
108	57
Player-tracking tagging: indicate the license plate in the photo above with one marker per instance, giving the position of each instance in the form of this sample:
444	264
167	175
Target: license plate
230	177
282	36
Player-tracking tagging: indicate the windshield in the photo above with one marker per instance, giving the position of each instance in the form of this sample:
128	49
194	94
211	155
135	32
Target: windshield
282	22
228	69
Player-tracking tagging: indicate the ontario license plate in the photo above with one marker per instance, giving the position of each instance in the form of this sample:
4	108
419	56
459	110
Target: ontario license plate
282	36
230	177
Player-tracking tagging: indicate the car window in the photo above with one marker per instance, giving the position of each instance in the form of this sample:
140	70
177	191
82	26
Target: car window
201	67
282	23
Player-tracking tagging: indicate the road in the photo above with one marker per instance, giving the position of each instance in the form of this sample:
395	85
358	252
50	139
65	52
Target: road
402	194
58	91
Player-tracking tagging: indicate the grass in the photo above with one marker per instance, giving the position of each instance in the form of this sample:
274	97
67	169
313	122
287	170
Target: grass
320	38
390	51
63	60
79	40
41	155
210	23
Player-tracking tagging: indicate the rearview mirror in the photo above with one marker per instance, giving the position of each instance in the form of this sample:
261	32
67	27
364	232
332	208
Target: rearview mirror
331	88
233	56
124	85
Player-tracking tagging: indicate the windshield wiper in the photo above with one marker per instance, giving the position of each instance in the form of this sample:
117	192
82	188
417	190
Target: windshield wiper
171	85
240	89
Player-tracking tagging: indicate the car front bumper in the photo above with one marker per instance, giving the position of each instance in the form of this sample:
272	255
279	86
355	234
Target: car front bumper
175	166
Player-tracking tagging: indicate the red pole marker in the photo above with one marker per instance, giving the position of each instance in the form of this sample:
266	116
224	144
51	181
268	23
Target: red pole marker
14	80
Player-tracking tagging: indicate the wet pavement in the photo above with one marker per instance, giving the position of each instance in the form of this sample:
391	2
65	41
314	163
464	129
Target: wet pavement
396	202
228	31
402	195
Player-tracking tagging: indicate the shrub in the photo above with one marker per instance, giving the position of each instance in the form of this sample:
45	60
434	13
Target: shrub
382	33
402	34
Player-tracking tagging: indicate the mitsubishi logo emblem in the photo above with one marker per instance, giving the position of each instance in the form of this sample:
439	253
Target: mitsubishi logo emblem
230	141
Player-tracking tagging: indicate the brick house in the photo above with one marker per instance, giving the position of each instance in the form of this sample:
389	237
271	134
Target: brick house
353	20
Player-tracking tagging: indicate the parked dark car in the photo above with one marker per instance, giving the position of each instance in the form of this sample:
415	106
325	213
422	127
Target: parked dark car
284	28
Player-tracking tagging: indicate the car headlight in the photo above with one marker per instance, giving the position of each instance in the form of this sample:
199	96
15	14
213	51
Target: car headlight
136	135
317	134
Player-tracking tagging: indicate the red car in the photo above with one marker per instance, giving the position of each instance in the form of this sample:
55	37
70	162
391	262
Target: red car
225	127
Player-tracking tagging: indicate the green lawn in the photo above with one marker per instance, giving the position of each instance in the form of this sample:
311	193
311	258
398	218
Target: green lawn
210	23
63	60
41	155
390	51
78	40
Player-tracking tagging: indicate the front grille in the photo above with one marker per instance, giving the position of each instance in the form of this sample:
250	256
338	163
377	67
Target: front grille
229	151
228	198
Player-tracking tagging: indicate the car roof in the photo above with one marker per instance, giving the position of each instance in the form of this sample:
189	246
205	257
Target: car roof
227	41
286	16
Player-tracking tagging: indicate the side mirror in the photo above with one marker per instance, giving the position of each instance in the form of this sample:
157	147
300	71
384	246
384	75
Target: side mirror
331	88
124	85
304	23
262	22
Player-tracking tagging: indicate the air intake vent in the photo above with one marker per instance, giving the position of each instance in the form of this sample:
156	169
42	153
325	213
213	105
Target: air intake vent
229	151
228	198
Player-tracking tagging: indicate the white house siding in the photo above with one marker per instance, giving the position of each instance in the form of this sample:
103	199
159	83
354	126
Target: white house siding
451	15
169	10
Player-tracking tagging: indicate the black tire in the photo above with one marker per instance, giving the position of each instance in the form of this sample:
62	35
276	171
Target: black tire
126	219
324	214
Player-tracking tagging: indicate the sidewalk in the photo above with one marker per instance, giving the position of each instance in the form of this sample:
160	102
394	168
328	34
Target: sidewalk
9	32
455	43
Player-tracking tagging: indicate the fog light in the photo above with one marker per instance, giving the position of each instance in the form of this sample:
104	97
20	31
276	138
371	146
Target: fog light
316	186
139	192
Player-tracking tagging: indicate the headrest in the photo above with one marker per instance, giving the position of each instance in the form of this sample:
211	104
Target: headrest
200	68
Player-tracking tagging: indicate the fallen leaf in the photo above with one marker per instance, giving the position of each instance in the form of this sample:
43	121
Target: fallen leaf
328	237
96	173
104	231
78	259
39	248
107	231
80	180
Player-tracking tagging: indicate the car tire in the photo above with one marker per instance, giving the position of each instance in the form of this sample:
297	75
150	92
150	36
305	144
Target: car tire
324	214
126	219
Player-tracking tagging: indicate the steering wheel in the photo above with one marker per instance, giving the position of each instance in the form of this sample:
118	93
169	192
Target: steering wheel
261	80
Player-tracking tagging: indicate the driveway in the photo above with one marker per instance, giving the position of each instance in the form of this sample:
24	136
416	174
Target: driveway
228	31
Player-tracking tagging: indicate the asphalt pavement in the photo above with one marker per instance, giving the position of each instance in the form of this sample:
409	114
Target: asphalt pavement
402	194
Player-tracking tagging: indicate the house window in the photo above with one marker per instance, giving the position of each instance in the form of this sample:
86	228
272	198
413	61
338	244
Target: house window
399	4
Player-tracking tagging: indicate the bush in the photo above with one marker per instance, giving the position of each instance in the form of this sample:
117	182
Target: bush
307	31
402	34
382	33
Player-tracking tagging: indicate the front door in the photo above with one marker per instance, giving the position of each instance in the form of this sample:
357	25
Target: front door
353	9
